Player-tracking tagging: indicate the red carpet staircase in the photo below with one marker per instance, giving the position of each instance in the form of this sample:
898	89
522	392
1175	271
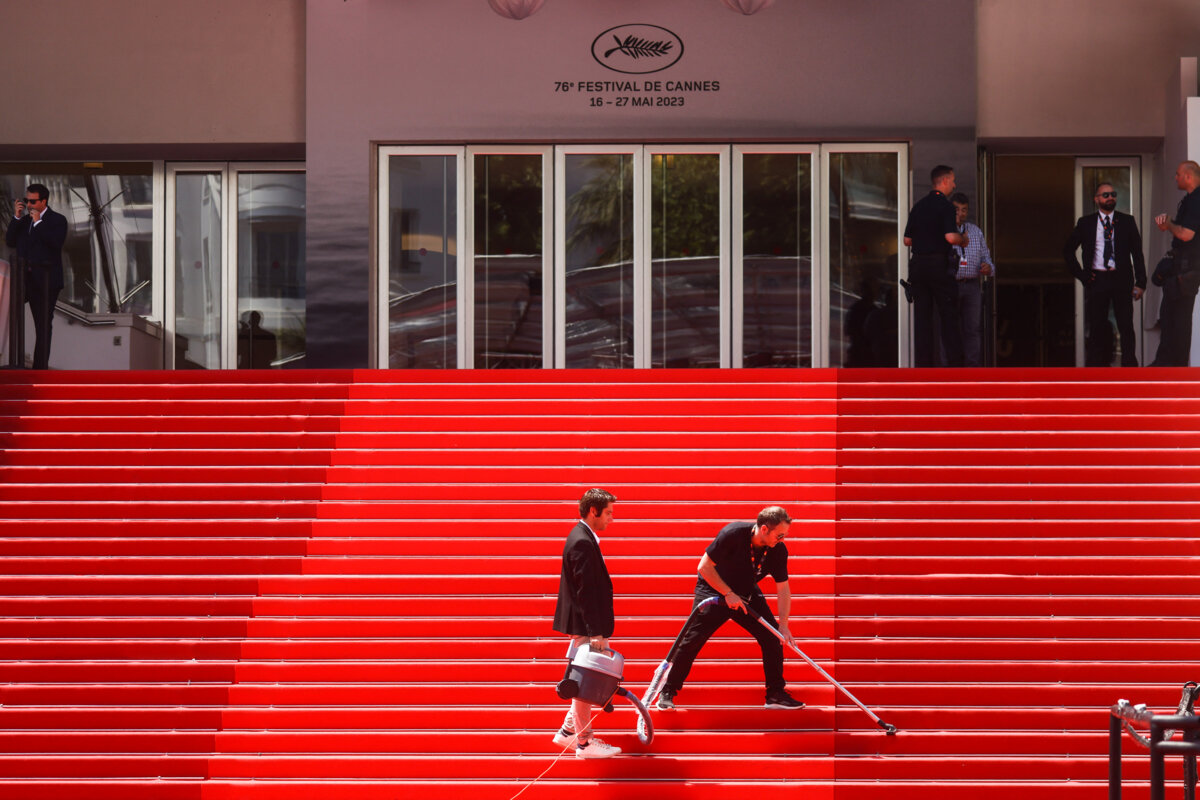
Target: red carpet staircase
339	584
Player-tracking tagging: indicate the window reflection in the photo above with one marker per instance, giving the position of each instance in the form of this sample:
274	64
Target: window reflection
199	249
599	261
863	260
423	268
777	260
271	306
508	261
685	265
108	255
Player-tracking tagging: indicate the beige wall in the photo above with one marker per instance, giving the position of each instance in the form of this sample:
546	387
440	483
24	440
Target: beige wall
1080	68
190	71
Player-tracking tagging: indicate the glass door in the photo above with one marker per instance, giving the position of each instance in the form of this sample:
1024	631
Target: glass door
509	252
640	256
864	205
195	266
687	201
775	223
1125	176
234	282
421	192
598	212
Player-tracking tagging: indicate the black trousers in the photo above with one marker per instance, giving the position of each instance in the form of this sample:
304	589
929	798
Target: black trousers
934	287
1105	290
705	624
42	297
1175	323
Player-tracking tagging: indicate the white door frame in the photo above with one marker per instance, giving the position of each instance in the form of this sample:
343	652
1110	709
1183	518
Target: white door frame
554	250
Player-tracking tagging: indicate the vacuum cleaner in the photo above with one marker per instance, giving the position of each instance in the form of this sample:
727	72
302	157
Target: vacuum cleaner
594	676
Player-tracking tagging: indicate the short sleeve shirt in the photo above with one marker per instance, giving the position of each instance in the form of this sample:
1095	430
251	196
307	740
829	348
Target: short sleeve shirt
928	223
739	565
1188	216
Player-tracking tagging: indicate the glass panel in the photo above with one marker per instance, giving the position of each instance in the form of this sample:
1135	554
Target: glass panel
685	261
1034	202
508	261
270	299
1119	177
107	258
863	260
422	275
599	260
199	246
777	260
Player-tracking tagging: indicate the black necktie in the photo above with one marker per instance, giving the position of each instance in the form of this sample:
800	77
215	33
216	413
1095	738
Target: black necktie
1108	232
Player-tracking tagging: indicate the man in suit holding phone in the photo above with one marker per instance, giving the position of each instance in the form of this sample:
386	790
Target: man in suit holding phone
1113	273
38	233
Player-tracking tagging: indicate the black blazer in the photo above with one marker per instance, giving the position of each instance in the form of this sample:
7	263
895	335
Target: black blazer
585	592
40	246
1127	248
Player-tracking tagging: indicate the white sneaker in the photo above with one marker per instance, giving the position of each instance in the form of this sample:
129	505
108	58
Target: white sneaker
595	748
564	737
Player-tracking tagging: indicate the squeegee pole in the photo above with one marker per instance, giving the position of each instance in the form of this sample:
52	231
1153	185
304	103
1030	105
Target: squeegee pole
891	729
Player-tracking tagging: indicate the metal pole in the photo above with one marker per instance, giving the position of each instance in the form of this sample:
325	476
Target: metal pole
1114	757
1191	736
1157	773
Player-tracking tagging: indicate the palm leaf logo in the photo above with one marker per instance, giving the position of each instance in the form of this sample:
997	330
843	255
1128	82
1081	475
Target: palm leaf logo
635	48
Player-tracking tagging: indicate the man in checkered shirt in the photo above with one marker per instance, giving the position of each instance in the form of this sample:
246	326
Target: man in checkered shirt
974	263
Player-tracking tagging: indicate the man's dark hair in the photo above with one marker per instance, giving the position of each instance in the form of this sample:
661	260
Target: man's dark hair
961	199
1101	184
40	190
597	499
772	516
939	172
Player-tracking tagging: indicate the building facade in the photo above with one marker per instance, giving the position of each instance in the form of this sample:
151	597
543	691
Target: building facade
676	183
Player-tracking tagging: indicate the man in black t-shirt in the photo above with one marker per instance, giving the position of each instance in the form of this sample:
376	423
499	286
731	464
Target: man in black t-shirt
930	231
1182	279
742	554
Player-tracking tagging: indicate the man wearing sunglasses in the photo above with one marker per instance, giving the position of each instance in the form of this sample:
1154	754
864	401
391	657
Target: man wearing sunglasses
37	233
1113	274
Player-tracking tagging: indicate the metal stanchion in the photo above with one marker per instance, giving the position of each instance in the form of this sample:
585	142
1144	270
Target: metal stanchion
1114	757
1158	790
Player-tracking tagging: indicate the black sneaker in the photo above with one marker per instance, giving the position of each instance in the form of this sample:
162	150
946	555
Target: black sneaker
781	699
666	701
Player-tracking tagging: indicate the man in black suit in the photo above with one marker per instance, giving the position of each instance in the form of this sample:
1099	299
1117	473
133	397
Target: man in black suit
585	610
38	233
1113	273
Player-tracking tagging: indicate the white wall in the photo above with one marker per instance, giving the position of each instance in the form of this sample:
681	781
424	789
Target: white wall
1079	68
152	71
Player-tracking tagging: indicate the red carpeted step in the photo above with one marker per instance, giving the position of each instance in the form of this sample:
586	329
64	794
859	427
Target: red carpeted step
231	564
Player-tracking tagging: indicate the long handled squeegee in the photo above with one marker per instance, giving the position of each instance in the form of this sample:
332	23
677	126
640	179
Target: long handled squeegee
889	729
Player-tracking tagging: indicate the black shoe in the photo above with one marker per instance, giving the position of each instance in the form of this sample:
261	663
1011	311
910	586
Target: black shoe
666	701
781	699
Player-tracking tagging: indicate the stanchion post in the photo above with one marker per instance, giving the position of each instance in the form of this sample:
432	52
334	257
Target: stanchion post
1192	737
1114	757
1158	789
